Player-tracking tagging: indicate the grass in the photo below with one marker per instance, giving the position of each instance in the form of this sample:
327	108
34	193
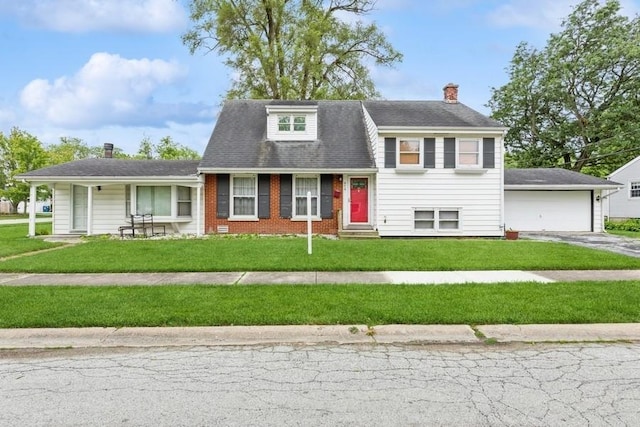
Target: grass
14	240
290	254
523	303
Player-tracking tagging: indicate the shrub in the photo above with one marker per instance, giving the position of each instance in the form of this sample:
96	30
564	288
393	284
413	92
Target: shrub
631	224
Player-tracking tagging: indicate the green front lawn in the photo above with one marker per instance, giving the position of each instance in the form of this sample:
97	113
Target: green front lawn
523	303
250	253
14	240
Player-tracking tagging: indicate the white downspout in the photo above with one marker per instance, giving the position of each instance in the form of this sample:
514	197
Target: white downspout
32	209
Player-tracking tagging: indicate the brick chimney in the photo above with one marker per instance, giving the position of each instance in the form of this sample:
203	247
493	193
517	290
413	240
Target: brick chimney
450	93
108	150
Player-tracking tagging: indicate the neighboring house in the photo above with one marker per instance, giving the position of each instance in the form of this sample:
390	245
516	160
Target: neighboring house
401	168
95	196
625	202
554	199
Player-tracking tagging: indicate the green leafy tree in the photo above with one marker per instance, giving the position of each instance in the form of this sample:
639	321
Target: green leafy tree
69	149
166	149
292	49
19	152
575	103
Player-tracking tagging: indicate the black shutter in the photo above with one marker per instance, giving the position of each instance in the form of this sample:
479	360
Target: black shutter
488	153
430	153
264	196
286	188
389	152
222	196
326	196
449	152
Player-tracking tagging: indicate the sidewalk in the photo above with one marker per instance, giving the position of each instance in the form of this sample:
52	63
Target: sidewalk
314	277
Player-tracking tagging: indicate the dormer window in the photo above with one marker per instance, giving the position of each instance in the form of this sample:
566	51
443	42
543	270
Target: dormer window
287	123
295	121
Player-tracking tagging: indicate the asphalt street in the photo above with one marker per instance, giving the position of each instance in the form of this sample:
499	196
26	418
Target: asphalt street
356	385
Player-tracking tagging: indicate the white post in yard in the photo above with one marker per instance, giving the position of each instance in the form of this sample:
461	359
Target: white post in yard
32	209
309	229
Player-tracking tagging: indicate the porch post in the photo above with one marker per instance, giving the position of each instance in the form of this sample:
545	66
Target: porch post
32	209
90	210
198	208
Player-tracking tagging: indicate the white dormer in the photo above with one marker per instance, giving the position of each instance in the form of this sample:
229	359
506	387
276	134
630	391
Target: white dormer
292	122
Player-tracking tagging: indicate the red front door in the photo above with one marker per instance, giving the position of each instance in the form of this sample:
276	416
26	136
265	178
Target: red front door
359	199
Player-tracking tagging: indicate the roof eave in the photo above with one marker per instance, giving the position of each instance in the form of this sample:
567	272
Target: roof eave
110	179
444	130
561	187
288	170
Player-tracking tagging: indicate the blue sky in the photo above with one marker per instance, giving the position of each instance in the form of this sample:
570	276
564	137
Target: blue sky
116	70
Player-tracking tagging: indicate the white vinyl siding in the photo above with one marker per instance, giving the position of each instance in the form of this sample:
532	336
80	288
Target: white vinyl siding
109	210
621	204
476	198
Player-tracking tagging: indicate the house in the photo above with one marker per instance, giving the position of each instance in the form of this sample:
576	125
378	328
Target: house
95	196
374	168
624	203
554	199
396	168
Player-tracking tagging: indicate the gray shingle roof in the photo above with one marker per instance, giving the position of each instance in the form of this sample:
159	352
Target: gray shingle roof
553	177
427	114
91	168
239	139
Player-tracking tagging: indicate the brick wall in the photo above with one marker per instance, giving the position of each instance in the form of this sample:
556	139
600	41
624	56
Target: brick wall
273	225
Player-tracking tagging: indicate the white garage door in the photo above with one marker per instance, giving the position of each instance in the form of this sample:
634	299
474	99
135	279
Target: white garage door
548	210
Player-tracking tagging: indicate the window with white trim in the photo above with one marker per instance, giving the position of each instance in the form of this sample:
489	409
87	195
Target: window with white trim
302	185
409	152
184	200
436	219
244	191
469	152
634	189
155	200
159	200
292	123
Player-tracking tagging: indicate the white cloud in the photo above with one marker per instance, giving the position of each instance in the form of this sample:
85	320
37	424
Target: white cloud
109	90
546	15
78	16
541	14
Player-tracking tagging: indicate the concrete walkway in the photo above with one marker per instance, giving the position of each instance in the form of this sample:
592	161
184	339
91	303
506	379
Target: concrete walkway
314	277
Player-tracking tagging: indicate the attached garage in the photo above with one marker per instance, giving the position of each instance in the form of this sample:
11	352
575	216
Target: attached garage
548	210
551	199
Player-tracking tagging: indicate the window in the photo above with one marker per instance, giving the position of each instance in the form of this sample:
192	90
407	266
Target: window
409	152
153	200
243	195
436	219
285	123
302	185
634	189
184	201
469	152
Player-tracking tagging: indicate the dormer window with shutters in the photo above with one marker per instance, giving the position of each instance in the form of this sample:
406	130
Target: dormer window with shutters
292	122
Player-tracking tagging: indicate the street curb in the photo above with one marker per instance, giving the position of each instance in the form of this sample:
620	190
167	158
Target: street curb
313	335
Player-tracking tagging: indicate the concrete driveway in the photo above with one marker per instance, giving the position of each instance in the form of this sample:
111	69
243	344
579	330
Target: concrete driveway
603	241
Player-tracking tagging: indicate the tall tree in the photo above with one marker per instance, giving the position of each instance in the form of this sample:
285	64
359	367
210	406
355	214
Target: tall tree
575	103
292	49
166	149
19	152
